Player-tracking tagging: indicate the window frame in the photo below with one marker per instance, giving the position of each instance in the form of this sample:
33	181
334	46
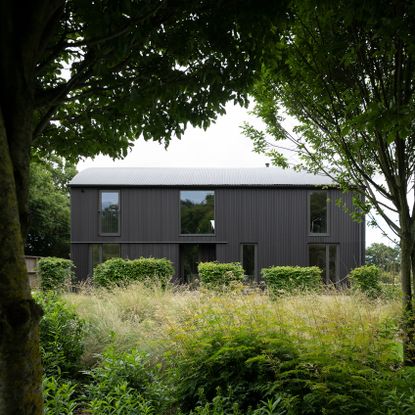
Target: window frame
328	219
327	246
241	255
100	253
100	233
180	212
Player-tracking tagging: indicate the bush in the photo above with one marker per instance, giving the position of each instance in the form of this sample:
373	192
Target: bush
367	280
61	336
235	363
217	275
58	397
55	273
125	381
280	280
118	271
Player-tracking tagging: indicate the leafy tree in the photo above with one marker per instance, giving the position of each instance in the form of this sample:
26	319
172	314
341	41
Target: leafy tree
385	257
345	71
48	226
80	78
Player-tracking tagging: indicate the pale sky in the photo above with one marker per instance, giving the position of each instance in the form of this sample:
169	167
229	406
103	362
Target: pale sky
221	145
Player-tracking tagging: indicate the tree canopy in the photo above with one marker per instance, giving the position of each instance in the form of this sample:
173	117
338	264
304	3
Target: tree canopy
48	226
384	256
79	78
165	64
345	71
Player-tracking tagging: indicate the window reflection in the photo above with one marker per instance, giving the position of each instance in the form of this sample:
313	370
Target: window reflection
110	212
318	212
197	210
325	257
101	252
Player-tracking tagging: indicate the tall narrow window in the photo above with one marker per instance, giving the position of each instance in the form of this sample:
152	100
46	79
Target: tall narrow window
101	252
248	259
325	257
95	255
318	213
197	212
109	212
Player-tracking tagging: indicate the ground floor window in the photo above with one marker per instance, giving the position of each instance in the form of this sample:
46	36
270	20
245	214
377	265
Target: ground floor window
190	257
325	256
99	253
249	260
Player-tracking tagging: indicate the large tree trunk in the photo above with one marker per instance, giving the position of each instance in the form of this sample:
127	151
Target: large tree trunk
407	245
20	366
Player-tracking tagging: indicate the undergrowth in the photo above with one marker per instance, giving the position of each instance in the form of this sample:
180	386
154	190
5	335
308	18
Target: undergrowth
177	351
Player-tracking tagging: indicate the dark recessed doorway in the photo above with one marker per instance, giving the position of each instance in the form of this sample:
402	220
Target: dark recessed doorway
190	256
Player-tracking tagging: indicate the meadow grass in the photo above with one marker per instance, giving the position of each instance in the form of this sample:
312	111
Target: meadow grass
154	320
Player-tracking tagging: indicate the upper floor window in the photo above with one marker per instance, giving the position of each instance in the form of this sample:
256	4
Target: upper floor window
197	212
318	213
109	213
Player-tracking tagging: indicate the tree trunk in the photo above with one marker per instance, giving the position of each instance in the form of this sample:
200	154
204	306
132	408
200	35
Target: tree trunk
407	244
20	366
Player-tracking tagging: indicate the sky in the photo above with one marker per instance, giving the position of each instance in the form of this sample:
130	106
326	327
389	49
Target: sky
221	145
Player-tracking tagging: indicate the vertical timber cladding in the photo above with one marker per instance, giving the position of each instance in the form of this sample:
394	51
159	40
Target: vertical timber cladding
80	258
276	219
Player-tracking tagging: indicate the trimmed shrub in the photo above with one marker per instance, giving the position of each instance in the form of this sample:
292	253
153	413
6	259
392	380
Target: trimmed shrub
118	271
217	275
281	280
367	280
55	273
62	334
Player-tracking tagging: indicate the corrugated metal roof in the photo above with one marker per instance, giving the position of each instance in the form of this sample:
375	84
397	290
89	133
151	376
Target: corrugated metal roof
174	176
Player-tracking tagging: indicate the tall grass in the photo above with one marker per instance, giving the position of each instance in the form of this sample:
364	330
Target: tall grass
156	320
178	351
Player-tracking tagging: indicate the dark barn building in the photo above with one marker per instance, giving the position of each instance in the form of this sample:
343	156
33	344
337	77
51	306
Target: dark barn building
258	216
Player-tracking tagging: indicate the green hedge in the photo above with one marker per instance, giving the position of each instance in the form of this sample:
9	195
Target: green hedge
367	280
217	275
118	271
280	280
55	273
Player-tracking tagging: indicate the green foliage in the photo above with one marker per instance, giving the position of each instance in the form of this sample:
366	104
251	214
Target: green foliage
367	280
125	383
241	364
385	257
334	71
248	367
118	271
195	215
225	405
61	336
48	231
281	280
225	354
120	399
219	275
146	76
55	273
58	396
399	393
